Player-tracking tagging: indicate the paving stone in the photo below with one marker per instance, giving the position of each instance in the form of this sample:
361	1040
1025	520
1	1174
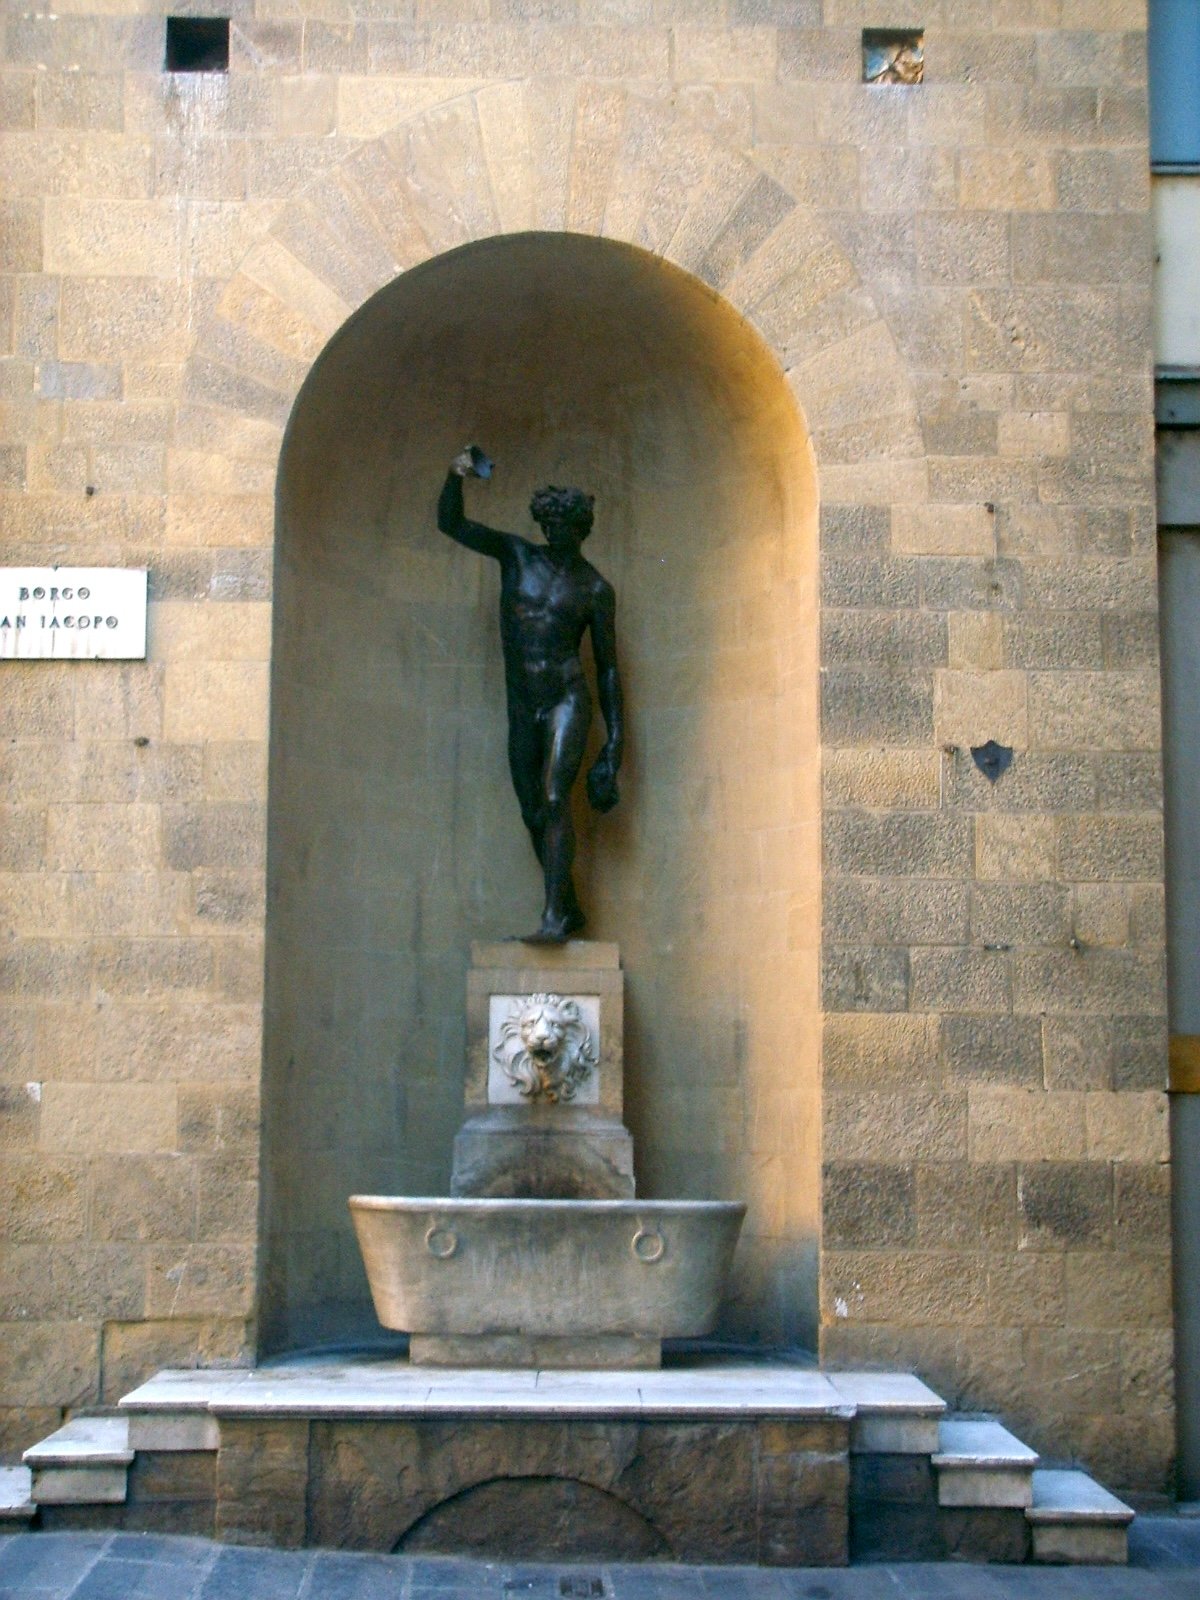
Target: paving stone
364	1577
163	1549
255	1575
439	1574
138	1580
33	1561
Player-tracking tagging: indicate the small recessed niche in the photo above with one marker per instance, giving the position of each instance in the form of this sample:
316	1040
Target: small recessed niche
893	55
197	44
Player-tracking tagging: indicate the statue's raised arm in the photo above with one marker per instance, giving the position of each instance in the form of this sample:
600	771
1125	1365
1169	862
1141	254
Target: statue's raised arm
452	518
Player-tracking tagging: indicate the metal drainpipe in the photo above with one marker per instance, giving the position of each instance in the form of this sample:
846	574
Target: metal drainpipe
1179	584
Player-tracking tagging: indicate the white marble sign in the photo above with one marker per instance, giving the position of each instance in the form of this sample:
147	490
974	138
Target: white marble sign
73	613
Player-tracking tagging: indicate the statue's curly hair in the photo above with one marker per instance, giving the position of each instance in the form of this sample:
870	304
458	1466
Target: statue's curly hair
572	506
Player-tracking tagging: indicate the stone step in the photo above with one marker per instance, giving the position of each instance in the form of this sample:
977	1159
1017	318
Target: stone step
86	1462
1074	1520
16	1500
895	1413
979	1463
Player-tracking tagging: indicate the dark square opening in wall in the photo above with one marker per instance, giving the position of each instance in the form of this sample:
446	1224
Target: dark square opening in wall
893	55
197	44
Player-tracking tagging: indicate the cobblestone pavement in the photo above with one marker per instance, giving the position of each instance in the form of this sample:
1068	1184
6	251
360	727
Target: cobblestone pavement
1164	1565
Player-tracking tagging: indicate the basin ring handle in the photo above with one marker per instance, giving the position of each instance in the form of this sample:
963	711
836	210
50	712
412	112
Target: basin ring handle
441	1242
648	1245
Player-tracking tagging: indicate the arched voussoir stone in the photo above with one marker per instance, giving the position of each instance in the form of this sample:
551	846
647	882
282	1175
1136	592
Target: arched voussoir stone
562	155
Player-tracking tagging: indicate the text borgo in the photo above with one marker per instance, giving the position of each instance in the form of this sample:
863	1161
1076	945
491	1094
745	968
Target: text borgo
82	593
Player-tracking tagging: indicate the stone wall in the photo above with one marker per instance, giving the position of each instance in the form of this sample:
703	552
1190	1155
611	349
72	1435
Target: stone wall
954	279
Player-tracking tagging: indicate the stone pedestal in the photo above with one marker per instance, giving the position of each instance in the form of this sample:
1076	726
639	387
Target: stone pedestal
544	1075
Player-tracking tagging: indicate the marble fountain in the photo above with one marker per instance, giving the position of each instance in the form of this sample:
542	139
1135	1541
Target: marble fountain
543	1256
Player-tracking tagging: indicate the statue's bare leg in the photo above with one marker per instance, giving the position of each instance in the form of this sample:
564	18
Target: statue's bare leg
532	757
526	764
565	730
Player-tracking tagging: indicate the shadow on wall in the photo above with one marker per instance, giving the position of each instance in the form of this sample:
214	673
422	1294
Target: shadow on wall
394	835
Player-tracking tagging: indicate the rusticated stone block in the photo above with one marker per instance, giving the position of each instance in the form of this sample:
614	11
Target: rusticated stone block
964	584
1078	1052
959	980
904	780
893	1509
1102	914
1016	914
870	1052
904	1125
1141	1205
134	1351
172	1491
1118	1289
219	1117
854	529
42	1198
863	708
864	978
1054	640
966	1205
870	581
885	638
261	1478
45	1363
21	232
1095	980
225	837
1078	249
1064	1205
867	1203
898	846
78	1279
976	640
903	912
200	1280
1094	710
100	1119
1025	1125
1139	1052
993	1049
1035	782
1127	1127
1101	849
983	1533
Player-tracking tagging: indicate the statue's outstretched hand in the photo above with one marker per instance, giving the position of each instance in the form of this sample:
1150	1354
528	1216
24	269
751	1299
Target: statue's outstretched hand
602	791
471	462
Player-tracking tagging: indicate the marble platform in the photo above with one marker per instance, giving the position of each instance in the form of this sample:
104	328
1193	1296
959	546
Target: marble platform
712	1460
765	1461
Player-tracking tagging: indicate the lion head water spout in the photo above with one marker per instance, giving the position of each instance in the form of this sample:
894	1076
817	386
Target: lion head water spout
545	1049
543	1256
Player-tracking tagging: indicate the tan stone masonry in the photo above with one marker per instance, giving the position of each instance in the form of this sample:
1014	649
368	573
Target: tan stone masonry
954	282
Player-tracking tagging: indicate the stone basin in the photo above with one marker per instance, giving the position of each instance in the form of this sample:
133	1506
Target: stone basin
574	1283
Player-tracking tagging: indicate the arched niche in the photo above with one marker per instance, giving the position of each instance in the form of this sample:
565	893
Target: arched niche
394	837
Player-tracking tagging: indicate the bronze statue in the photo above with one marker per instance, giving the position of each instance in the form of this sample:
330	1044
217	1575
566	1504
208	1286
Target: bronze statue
549	597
